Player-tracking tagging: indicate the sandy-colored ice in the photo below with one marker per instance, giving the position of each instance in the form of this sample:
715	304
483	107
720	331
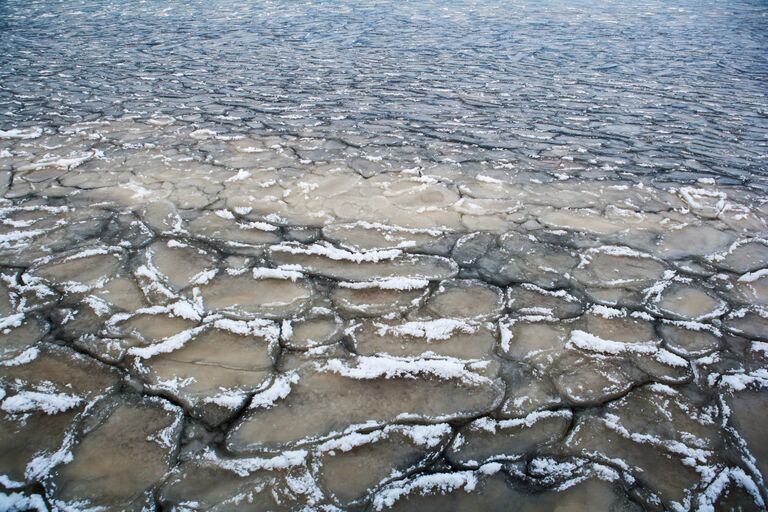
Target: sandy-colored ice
260	330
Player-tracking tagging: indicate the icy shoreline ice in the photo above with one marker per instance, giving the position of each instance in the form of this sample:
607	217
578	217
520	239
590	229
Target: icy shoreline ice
416	351
373	256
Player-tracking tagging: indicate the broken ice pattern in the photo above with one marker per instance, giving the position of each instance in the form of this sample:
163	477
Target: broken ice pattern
259	293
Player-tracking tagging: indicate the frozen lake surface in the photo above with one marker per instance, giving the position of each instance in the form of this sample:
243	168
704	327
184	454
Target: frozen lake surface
377	256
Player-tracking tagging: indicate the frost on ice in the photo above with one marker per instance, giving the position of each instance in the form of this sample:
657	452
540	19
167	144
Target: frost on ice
208	303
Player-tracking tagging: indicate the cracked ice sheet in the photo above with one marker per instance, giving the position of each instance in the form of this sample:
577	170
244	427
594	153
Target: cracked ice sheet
298	277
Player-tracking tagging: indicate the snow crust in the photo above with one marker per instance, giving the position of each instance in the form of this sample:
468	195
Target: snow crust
329	251
430	330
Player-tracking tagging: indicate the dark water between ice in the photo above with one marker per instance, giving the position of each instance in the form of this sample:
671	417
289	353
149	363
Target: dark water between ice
676	89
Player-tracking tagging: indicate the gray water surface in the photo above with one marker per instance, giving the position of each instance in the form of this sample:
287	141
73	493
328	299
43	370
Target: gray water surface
670	89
